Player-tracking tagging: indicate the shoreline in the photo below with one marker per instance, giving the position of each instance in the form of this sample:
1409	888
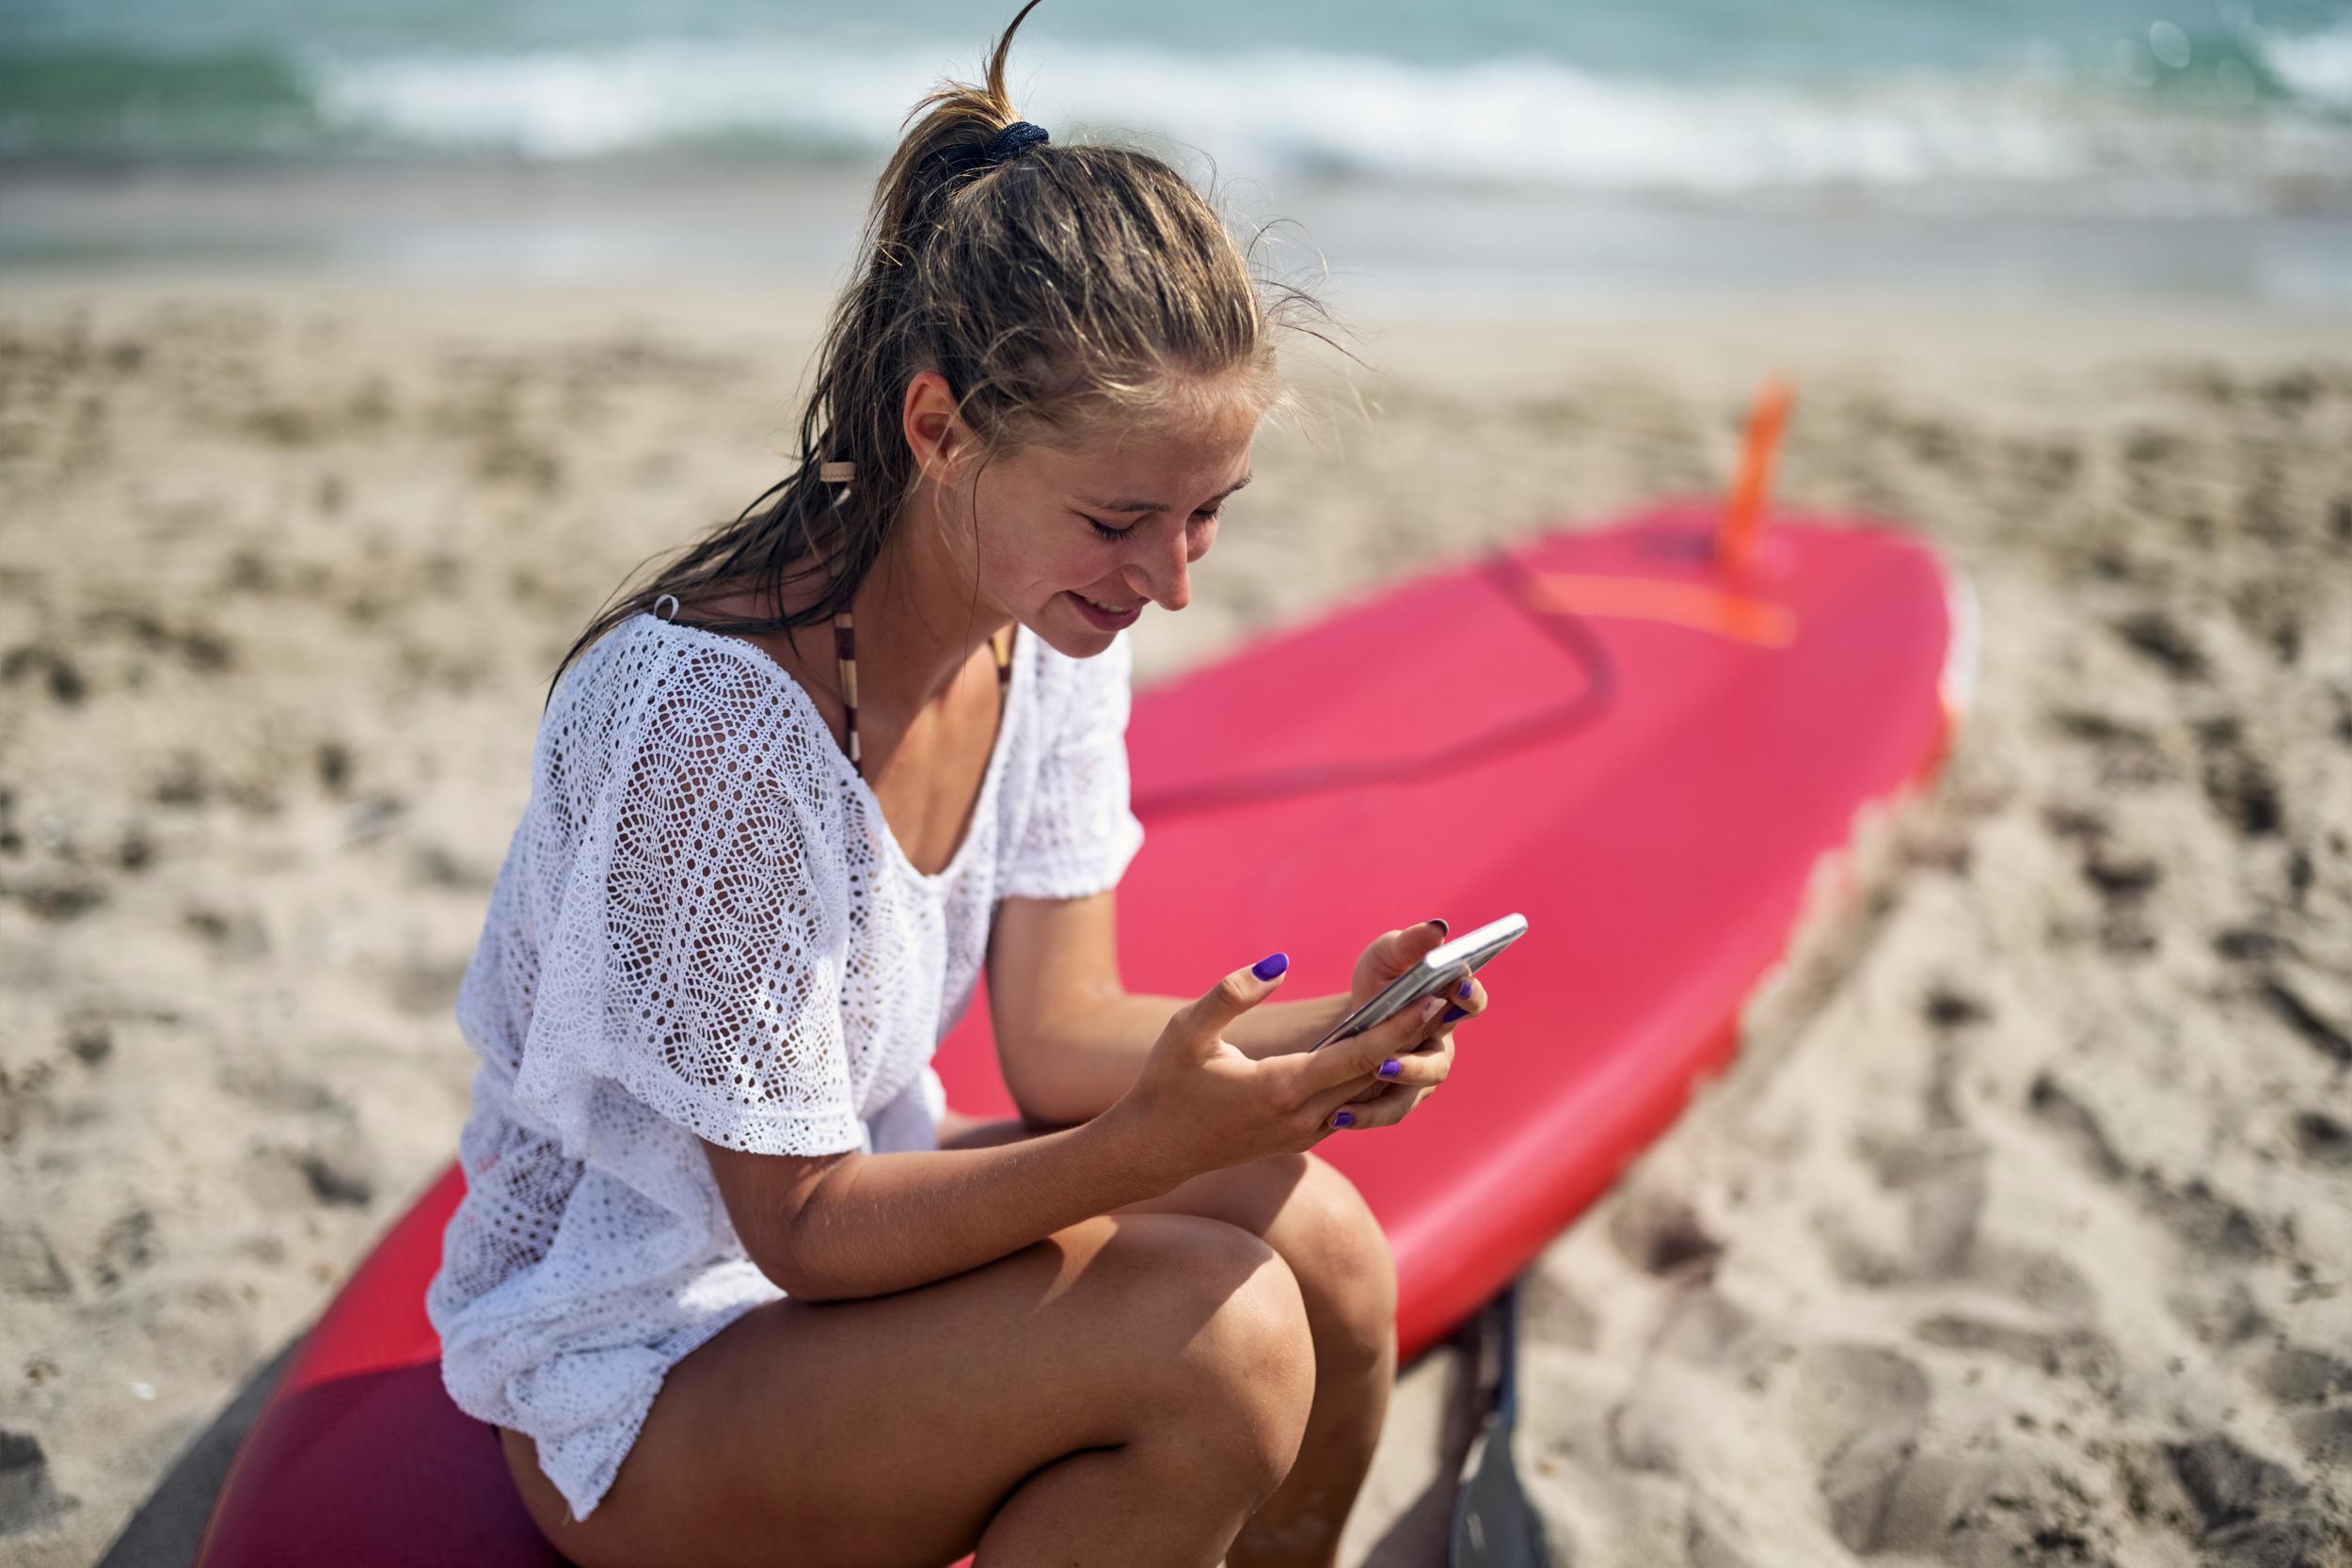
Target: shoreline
1401	248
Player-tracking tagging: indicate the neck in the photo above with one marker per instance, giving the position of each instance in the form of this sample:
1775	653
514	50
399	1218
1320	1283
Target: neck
918	624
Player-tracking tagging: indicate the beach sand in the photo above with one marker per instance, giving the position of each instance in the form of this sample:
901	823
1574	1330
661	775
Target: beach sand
2020	1233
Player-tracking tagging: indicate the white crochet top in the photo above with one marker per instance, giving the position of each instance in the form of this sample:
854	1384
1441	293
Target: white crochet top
703	928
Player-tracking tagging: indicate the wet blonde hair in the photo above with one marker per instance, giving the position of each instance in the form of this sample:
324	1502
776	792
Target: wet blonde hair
1059	286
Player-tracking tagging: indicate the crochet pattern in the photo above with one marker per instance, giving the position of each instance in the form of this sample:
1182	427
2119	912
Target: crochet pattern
704	929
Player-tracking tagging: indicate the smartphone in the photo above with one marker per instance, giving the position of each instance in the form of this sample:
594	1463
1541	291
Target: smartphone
1441	968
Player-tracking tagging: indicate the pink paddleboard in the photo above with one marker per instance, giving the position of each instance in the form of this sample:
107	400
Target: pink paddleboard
1645	754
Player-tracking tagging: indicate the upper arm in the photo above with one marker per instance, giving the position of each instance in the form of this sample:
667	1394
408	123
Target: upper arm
702	962
710	983
1052	952
1048	960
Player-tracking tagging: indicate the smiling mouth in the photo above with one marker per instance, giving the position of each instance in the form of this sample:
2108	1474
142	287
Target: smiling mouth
1105	608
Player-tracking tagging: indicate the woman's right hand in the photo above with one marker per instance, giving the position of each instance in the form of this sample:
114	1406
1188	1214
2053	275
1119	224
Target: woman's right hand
1200	1103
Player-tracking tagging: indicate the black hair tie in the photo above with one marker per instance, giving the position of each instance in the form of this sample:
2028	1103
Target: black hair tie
1012	141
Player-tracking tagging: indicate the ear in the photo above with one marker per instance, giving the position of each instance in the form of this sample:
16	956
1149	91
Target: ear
935	433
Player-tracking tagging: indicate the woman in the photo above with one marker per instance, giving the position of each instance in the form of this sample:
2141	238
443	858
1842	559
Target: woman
731	1282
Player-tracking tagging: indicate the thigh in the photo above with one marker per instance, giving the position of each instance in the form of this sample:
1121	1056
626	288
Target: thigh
888	1429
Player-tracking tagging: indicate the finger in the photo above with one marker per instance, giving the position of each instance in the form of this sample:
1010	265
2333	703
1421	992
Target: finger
1362	1054
1394	1105
1424	1067
1205	1018
1374	1087
1354	1098
1467	1000
1395	1037
1399	951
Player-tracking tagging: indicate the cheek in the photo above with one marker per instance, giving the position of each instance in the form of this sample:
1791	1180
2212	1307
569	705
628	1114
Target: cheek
1043	560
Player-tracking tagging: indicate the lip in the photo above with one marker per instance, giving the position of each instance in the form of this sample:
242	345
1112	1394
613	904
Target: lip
1107	623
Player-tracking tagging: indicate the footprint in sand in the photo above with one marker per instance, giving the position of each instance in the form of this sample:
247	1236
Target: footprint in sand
2157	638
2322	1139
2237	1508
1661	1234
1891	1485
2129	756
2078	1354
335	1175
2298	1015
1942	1178
2315	1390
2238	782
2057	1110
1859	1410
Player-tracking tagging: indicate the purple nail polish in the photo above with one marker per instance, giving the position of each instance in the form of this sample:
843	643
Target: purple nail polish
1390	1068
1346	1118
1441	924
1271	965
1463	991
1451	1014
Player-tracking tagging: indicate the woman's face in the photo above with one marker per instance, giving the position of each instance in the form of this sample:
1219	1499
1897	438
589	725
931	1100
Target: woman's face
1116	519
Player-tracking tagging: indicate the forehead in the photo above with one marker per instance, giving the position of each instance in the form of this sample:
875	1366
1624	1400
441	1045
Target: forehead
1200	444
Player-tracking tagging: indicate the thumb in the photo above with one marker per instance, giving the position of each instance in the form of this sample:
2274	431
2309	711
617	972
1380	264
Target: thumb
1401	950
1240	989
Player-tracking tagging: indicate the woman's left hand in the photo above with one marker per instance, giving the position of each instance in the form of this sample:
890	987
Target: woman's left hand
1420	1071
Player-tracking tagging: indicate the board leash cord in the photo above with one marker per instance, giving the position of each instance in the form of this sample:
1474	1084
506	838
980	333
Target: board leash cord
1494	1525
1731	550
1524	589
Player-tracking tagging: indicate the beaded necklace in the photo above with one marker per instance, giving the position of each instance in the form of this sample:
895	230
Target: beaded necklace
844	660
845	635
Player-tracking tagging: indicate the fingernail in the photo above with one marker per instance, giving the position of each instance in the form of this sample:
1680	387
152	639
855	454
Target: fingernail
1462	990
1441	924
1390	1068
1271	965
1453	1013
1346	1118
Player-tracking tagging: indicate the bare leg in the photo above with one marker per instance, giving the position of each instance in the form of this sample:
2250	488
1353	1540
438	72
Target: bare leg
1129	1390
1314	1217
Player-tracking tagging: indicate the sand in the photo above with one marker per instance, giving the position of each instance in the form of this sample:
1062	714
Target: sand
2020	1233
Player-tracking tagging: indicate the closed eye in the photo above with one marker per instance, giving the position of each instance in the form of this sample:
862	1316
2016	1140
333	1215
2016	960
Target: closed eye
1109	532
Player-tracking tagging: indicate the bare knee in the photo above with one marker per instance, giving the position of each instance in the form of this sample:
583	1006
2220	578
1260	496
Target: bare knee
1232	1364
1339	1256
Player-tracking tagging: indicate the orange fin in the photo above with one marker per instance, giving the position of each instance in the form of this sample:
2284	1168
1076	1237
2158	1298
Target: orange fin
1743	512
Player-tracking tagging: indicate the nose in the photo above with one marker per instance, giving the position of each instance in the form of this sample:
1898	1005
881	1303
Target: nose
1164	574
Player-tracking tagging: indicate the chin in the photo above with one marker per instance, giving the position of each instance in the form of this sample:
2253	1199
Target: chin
1083	642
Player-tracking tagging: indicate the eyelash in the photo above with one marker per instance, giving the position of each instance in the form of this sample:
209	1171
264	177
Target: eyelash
1122	532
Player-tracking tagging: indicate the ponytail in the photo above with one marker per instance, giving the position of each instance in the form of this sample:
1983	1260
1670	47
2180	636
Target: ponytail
1047	287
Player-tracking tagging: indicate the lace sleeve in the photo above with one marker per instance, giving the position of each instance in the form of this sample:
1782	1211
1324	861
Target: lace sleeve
1082	829
704	931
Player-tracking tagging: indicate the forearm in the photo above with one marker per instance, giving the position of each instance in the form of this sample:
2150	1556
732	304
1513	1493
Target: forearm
1094	1056
877	1223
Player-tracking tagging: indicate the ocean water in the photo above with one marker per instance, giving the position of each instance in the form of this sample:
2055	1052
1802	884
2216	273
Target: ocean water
2071	106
